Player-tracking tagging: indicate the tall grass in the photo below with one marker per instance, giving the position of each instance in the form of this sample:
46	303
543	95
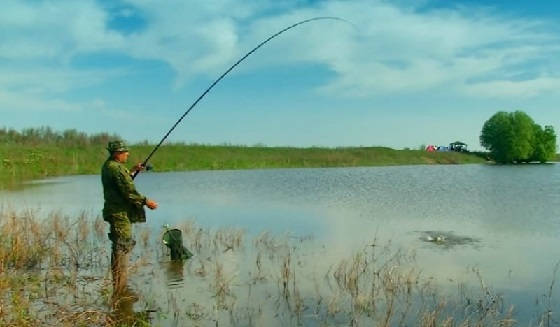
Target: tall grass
196	157
40	153
44	268
54	271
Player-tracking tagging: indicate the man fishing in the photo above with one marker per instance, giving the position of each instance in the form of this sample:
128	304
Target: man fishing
123	206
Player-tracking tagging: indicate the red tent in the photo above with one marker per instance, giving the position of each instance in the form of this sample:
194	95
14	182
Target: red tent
431	148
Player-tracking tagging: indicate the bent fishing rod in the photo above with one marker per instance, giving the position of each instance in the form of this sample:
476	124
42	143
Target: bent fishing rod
145	162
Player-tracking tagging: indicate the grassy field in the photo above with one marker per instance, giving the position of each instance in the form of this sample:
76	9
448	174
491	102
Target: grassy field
40	153
25	162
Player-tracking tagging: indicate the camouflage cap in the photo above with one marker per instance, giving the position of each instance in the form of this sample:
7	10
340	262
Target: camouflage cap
117	146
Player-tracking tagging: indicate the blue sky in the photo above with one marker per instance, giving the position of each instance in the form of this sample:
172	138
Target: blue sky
405	73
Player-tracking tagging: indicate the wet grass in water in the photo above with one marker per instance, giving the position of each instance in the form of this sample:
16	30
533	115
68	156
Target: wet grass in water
54	271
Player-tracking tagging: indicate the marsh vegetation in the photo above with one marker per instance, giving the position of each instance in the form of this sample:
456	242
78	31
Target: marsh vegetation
54	271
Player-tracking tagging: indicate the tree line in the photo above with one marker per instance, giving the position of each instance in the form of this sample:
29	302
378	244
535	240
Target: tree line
46	135
510	137
513	137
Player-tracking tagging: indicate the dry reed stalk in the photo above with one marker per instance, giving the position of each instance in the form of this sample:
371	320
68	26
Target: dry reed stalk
546	317
86	318
188	228
220	286
200	271
198	240
270	245
83	227
145	237
390	295
411	280
228	239
285	273
333	306
99	228
367	282
59	231
430	319
260	275
298	303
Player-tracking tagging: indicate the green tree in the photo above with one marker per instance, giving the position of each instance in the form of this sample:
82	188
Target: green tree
497	137
514	137
523	136
544	144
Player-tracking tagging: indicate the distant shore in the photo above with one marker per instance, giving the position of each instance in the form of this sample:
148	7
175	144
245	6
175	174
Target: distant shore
23	162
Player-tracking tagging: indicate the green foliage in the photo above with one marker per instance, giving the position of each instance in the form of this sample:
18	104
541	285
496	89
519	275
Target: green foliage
497	136
524	137
40	153
515	137
545	144
46	136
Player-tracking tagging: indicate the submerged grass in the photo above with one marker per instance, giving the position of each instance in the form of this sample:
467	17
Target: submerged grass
54	271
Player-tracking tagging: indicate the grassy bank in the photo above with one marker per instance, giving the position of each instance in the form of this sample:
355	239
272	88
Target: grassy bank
26	161
52	275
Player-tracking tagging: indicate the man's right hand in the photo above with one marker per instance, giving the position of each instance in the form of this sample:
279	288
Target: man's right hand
151	204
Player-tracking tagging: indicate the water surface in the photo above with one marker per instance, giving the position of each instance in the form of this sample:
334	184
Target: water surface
504	220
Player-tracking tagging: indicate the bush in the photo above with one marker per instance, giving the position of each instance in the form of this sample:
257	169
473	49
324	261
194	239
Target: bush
515	137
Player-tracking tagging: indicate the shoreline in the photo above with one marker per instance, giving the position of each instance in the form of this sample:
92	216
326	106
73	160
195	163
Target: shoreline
21	163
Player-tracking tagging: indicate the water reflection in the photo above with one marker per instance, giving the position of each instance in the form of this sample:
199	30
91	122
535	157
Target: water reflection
501	220
174	273
123	306
123	312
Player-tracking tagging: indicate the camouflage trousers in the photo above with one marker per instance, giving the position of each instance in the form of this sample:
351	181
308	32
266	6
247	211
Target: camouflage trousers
120	232
121	245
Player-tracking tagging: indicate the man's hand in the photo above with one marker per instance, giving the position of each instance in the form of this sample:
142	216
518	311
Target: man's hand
137	167
151	204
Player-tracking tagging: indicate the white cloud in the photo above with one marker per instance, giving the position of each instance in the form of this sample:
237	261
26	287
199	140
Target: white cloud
48	80
17	101
192	37
397	50
53	30
391	49
54	110
514	89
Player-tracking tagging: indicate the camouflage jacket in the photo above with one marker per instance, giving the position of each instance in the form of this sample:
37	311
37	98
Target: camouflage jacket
121	196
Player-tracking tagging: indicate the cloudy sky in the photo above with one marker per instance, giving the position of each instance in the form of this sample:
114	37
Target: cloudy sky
400	74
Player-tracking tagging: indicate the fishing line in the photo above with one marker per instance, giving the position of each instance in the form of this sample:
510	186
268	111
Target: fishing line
145	162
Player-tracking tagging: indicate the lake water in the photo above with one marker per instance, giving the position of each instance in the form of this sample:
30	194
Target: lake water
507	216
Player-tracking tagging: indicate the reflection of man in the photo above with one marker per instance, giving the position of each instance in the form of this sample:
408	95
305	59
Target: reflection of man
123	206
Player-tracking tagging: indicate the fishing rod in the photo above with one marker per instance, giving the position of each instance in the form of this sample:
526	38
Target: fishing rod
145	162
